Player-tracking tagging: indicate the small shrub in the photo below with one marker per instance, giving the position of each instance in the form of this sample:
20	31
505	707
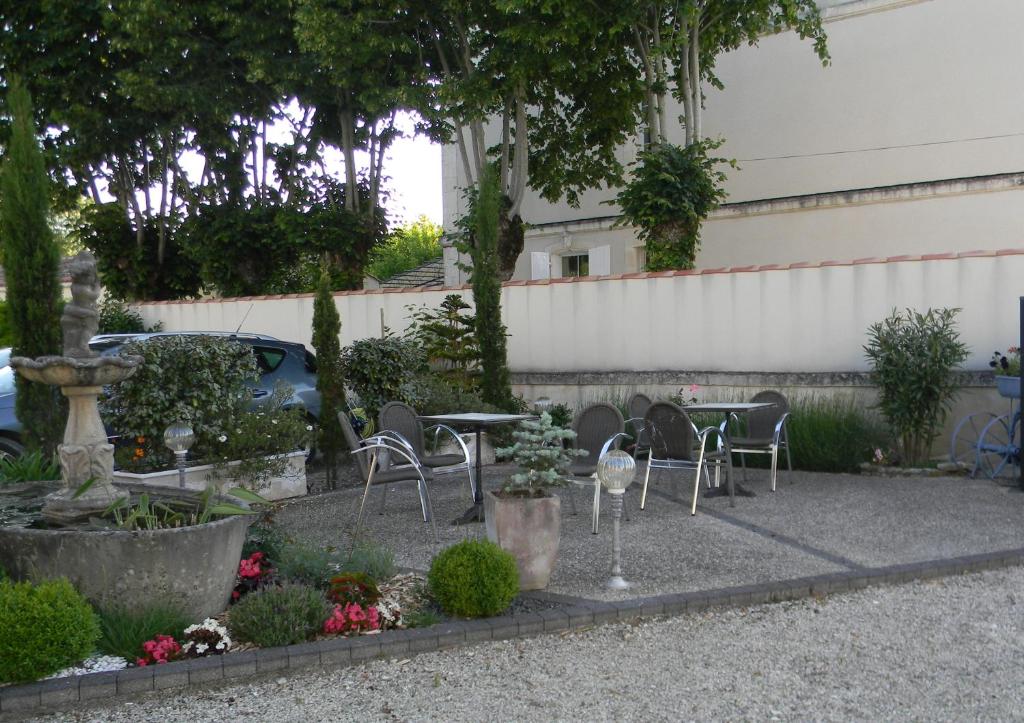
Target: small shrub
123	631
306	565
432	393
377	369
264	537
420	618
354	588
116	317
912	358
474	578
276	616
375	561
43	628
541	456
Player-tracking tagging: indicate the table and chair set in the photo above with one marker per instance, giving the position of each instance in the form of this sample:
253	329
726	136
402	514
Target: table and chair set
662	431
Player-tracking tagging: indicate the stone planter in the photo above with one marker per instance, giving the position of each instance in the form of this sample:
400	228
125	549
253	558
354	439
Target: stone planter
1008	387
529	528
191	567
290	484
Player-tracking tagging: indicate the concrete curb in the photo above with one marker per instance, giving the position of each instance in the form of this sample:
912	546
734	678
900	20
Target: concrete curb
351	651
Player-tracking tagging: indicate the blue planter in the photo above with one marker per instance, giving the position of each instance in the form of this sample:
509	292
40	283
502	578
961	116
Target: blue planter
1008	387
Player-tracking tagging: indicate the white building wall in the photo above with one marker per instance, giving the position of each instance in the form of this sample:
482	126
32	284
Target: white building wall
918	91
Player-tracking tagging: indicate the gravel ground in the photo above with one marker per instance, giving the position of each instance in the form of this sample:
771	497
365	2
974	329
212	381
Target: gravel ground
948	649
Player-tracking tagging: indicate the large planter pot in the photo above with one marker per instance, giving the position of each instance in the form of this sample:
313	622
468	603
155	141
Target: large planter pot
530	529
292	483
1008	387
190	567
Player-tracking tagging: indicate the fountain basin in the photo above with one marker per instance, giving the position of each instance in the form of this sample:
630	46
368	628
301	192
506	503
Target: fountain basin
192	567
65	371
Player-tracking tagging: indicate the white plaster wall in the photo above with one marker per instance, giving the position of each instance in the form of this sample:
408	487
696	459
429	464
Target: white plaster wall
809	319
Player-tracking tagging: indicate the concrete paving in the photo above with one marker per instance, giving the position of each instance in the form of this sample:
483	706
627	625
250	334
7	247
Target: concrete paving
813	524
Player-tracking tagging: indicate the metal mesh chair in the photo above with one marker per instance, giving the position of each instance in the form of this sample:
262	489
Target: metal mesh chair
637	407
383	461
765	433
676	444
399	420
598	428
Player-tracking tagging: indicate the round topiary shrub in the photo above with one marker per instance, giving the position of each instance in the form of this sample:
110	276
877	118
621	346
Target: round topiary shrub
43	628
474	578
275	616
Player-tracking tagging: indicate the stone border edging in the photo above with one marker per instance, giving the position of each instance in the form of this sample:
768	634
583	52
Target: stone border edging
349	651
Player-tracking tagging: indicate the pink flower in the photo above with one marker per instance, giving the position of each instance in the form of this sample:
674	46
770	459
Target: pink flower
694	388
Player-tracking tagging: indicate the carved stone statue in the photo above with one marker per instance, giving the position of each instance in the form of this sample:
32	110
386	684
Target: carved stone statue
80	320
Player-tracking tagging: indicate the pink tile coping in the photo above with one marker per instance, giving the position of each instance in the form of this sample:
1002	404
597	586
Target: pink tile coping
906	258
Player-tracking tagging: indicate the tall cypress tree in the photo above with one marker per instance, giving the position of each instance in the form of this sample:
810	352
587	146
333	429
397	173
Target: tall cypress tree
31	262
330	381
495	387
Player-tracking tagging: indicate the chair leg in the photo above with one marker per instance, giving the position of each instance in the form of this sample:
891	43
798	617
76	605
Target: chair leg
789	462
597	505
426	506
696	483
775	465
366	493
472	482
647	477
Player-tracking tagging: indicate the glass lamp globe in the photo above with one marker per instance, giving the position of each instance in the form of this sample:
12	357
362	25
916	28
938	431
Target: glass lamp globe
615	471
179	437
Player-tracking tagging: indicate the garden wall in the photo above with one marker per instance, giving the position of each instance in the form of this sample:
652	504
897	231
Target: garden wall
796	327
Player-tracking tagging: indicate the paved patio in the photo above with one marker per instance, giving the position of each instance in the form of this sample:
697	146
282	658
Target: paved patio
813	524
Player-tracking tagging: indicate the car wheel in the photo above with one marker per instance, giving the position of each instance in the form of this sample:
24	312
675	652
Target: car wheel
10	448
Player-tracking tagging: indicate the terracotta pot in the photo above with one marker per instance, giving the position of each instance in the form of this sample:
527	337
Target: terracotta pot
529	528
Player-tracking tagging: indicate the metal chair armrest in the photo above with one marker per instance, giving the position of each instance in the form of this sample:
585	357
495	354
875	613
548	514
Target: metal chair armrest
610	441
395	437
779	426
722	438
383	444
454	435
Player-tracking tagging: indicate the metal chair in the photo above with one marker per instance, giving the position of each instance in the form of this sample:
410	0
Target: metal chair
677	444
598	428
637	407
399	420
765	433
376	457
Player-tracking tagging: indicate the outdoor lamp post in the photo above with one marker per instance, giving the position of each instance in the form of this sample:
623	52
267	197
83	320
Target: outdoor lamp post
179	438
615	472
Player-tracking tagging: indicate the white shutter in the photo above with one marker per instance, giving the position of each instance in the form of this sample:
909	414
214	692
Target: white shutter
540	265
600	261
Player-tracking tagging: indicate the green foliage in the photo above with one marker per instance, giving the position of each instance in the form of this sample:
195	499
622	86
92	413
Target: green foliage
283	615
495	385
153	513
368	558
130	266
266	537
330	381
199	380
353	587
43	628
378	369
124	630
541	456
432	393
474	578
31	259
420	618
6	331
912	357
448	338
405	249
670	193
29	467
116	317
306	565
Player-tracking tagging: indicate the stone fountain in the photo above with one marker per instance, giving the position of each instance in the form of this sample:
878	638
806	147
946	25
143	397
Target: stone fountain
81	375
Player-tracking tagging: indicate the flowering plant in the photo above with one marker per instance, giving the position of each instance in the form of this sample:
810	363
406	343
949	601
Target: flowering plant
686	395
353	587
352	618
162	649
206	638
254	572
1007	365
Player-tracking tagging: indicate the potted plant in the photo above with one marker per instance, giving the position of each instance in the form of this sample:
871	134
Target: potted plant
1007	370
523	517
205	382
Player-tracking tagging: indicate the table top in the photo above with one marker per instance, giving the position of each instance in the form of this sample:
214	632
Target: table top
478	418
727	407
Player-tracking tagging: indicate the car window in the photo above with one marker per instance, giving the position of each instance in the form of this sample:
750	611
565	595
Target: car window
268	358
310	362
6	380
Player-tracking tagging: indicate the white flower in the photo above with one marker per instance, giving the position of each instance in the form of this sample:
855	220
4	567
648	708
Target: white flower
273	421
309	427
222	438
202	648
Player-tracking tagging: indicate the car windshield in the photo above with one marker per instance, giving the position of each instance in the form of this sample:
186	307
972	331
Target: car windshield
6	380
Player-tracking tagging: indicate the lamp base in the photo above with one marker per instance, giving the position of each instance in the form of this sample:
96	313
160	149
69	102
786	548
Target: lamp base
617	583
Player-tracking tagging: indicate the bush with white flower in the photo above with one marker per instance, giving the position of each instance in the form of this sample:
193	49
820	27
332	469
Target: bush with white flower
206	638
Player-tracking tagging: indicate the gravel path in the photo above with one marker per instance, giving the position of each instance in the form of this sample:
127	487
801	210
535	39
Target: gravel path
947	649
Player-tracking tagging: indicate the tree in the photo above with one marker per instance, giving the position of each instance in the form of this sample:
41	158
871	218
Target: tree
495	387
406	248
31	260
329	379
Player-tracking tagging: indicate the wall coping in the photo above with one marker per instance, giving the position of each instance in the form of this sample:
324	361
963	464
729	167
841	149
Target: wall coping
763	268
